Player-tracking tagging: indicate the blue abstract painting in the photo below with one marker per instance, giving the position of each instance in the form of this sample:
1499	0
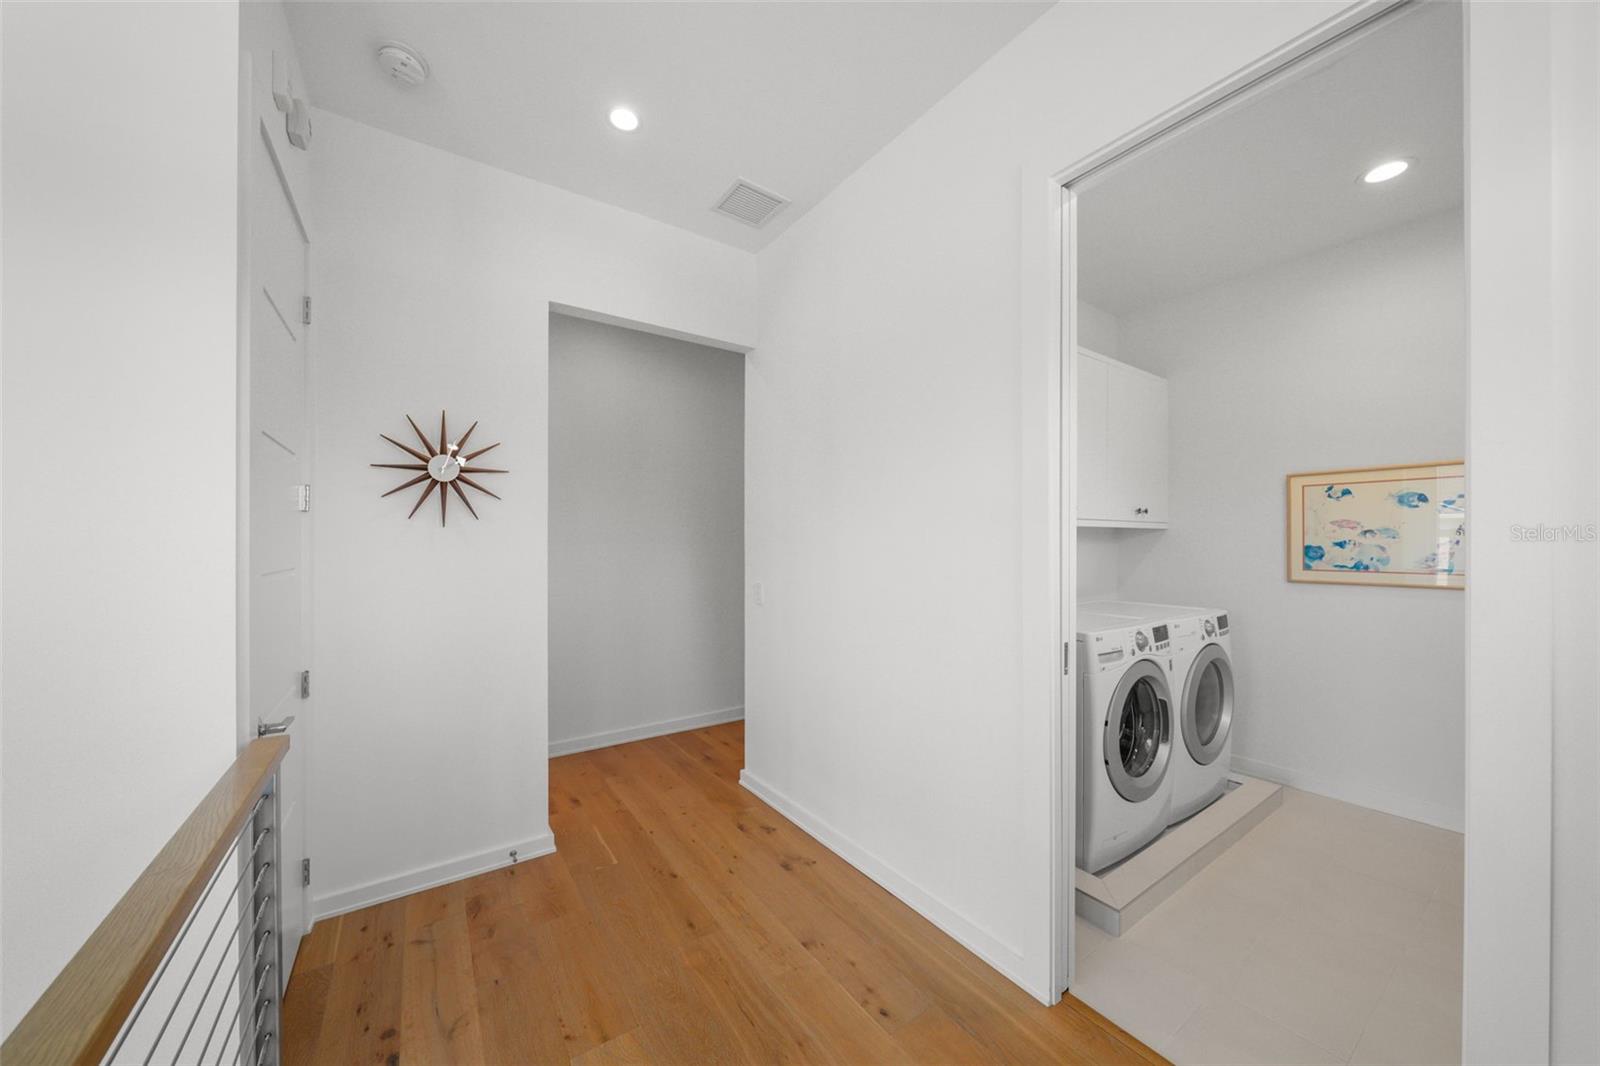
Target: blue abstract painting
1403	526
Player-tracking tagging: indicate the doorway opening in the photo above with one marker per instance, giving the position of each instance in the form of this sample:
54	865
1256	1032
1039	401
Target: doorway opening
1267	845
646	535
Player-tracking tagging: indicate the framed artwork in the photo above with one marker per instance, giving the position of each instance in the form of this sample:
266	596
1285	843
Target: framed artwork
1403	526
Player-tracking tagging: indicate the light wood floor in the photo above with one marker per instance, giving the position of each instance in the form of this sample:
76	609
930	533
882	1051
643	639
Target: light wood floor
681	920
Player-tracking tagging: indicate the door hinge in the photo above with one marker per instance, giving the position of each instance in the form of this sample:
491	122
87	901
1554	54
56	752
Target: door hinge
305	684
305	311
1066	658
302	497
305	872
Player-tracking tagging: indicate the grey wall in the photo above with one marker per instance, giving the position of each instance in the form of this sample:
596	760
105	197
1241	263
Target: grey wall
1352	357
646	534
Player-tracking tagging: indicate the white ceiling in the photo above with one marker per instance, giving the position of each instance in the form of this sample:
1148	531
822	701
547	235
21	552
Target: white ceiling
1279	176
793	96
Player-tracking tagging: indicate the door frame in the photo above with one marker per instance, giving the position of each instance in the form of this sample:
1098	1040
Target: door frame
1049	331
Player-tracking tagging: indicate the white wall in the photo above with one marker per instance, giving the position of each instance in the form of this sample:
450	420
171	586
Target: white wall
646	534
1100	562
892	702
433	277
1099	330
120	179
1355	356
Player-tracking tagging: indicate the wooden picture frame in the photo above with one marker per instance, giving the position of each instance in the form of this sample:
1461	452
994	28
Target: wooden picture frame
1389	526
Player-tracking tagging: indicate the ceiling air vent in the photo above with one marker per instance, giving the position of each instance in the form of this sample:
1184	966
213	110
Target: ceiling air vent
749	203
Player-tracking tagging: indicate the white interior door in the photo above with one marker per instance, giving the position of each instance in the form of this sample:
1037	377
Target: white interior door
278	546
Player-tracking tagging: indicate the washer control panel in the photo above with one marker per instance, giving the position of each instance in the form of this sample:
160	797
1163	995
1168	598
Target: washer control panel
1117	648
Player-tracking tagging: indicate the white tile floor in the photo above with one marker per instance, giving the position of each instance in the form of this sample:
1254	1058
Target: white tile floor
1329	934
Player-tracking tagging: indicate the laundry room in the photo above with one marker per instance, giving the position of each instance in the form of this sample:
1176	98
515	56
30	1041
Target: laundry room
1270	401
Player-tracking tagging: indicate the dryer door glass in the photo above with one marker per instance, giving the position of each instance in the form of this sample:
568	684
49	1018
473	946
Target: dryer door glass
1208	703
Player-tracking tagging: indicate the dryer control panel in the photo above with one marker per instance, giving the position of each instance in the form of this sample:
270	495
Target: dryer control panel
1201	629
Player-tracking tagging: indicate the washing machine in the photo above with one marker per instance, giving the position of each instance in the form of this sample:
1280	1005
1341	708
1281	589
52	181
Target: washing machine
1202	681
1125	735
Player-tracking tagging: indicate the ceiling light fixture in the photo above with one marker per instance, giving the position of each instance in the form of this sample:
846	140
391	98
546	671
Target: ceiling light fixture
624	119
1384	171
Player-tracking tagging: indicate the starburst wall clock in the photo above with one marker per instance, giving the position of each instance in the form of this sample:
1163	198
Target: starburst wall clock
445	467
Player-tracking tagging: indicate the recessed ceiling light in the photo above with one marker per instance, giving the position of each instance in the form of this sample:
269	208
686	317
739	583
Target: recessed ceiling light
624	119
1384	171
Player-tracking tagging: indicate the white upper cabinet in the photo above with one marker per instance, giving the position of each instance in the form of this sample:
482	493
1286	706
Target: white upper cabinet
1094	461
1122	444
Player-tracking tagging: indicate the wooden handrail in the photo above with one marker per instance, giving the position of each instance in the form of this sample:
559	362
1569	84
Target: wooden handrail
84	1008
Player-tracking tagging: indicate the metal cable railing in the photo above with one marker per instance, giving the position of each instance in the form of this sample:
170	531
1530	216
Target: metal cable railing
186	970
180	1012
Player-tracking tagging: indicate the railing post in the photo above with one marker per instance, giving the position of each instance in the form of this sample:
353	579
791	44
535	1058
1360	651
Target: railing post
263	1011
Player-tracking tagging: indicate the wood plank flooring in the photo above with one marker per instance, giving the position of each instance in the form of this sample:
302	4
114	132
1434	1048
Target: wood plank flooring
681	921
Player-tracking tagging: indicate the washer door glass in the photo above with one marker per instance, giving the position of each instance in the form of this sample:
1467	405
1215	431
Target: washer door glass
1139	736
1208	704
1138	732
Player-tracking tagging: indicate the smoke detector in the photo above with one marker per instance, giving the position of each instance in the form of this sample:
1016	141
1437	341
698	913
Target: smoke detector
749	203
404	64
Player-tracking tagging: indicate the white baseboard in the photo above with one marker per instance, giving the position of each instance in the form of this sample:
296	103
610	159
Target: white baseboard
986	946
1377	799
387	888
644	732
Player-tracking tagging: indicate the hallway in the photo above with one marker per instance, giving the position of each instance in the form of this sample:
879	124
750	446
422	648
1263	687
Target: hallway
680	921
